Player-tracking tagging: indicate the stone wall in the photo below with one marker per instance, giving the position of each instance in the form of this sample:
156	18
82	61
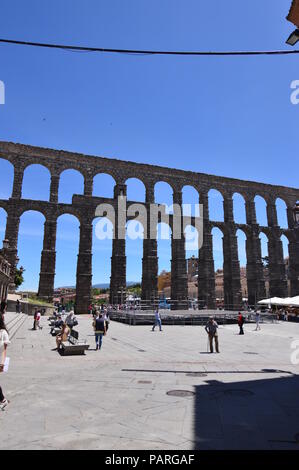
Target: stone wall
84	206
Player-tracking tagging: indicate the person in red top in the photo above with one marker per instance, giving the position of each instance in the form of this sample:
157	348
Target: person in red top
241	323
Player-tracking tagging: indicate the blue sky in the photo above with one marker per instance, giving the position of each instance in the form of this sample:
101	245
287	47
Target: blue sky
229	116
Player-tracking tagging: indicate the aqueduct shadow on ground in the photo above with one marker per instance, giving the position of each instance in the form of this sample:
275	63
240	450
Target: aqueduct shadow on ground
252	414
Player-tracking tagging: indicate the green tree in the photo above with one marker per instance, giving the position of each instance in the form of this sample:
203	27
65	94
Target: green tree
19	278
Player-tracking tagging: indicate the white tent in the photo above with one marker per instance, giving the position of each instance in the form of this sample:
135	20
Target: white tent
272	301
294	301
288	301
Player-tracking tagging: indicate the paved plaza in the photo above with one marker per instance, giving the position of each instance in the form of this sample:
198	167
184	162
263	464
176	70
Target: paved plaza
246	397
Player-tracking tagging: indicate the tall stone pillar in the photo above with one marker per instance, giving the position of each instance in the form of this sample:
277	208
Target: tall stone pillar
118	282
277	269
250	211
231	265
11	234
294	263
48	261
84	267
54	188
293	254
149	286
179	281
17	182
88	185
271	214
206	269
254	269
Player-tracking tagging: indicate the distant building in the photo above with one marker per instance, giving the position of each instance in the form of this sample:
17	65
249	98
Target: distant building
293	15
192	268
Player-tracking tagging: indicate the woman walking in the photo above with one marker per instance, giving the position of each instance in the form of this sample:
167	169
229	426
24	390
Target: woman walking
241	323
4	341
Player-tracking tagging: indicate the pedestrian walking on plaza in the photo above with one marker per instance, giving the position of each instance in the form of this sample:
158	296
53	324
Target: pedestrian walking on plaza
18	306
99	330
211	329
37	321
157	321
241	323
34	319
106	320
257	321
4	342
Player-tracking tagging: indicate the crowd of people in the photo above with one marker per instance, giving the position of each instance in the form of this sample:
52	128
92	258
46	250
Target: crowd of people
64	322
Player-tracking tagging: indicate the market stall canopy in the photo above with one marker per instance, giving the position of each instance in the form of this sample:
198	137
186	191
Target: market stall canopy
288	301
272	301
294	301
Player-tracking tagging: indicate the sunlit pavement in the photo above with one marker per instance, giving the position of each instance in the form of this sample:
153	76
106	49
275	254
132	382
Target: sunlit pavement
246	397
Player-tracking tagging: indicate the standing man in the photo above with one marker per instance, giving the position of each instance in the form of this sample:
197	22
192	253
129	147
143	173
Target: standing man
99	330
157	321
18	305
257	320
211	329
241	323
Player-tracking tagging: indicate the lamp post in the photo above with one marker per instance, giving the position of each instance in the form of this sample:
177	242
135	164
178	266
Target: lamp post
296	215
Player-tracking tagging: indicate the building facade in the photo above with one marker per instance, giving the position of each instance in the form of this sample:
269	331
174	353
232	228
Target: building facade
5	278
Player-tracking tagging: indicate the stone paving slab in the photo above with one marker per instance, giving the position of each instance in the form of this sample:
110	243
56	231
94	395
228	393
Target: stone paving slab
116	398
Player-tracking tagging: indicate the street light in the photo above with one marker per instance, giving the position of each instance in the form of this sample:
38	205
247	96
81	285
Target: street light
5	244
293	38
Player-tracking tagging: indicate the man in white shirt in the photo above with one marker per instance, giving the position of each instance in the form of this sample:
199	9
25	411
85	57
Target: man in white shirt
157	321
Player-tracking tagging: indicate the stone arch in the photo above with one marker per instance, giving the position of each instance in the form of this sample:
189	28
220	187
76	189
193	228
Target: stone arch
102	250
281	210
67	247
261	210
218	256
242	256
135	189
239	209
163	193
164	252
216	212
190	198
285	245
38	178
32	206
134	250
191	241
103	185
69	180
30	245
7	169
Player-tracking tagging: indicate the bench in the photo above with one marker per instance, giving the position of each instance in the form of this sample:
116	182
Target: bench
73	346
